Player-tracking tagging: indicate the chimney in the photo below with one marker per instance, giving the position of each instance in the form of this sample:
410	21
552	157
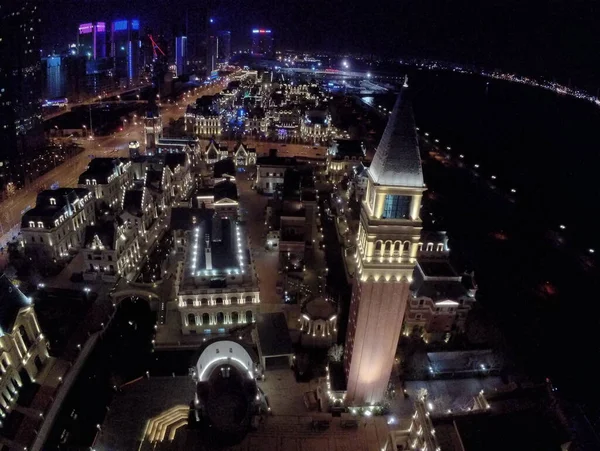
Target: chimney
207	252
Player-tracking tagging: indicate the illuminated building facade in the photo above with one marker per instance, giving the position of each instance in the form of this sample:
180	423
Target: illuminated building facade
57	223
24	349
91	40
441	298
262	43
126	50
107	178
53	78
21	131
181	55
387	244
216	286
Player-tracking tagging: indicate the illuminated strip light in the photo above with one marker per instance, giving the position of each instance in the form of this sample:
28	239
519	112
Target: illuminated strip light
225	358
130	60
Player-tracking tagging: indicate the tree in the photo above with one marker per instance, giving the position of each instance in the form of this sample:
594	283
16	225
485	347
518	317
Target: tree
336	353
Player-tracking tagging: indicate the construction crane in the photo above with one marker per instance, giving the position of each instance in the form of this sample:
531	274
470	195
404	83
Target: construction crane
155	47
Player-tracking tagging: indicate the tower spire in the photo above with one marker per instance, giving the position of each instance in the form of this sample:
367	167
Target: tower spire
397	161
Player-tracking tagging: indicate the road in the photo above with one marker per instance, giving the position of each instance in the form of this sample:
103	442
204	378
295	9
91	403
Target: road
67	174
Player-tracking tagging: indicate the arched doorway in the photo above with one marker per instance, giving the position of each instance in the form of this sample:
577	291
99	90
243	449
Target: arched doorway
205	319
235	318
249	316
191	319
220	318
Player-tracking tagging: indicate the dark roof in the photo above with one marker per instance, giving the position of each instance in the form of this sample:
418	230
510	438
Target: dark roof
106	233
524	431
154	179
441	268
182	217
224	251
64	199
222	167
225	189
276	161
11	301
175	159
100	169
273	334
296	181
132	201
349	148
441	291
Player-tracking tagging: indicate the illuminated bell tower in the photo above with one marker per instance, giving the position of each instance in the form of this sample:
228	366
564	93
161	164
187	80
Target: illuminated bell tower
387	242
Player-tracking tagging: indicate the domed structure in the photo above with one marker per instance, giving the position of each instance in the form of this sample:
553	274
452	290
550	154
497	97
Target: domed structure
227	396
319	322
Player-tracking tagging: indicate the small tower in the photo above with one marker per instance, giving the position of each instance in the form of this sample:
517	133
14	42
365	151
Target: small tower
387	244
152	127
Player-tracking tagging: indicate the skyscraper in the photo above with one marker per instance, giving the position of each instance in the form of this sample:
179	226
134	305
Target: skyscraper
387	244
21	130
54	81
224	49
218	49
125	49
91	40
262	43
181	55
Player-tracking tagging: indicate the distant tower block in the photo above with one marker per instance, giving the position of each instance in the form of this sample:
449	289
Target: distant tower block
152	129
387	240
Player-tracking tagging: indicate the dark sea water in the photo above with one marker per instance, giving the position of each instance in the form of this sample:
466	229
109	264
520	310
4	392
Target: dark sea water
540	283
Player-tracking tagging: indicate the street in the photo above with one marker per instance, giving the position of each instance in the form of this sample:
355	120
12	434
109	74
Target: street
67	174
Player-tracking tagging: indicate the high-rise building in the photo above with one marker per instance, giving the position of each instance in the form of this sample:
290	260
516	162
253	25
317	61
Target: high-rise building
224	48
21	131
262	43
387	245
218	49
125	49
53	77
181	55
91	40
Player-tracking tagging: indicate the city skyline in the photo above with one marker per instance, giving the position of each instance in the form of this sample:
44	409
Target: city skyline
560	37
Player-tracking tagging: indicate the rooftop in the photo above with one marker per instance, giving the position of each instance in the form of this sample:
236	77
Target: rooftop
397	161
524	431
100	235
100	169
183	218
433	268
174	159
52	203
348	148
11	301
224	167
224	239
273	334
275	161
225	190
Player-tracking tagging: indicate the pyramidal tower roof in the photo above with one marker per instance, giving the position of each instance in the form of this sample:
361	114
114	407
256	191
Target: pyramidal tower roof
397	161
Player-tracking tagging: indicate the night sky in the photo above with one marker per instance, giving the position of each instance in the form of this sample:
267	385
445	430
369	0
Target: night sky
556	38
